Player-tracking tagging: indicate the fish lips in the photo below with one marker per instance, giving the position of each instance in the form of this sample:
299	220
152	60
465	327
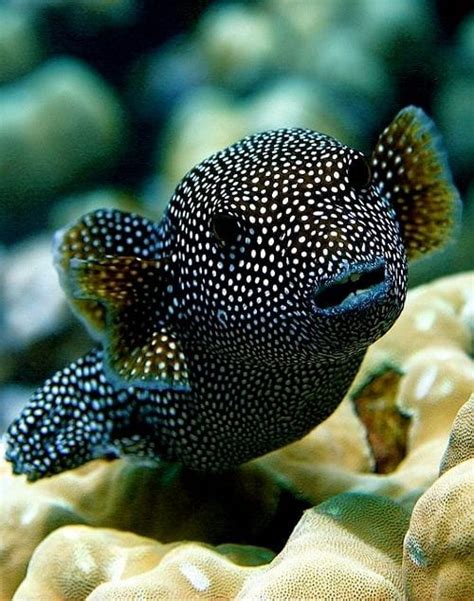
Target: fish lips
357	287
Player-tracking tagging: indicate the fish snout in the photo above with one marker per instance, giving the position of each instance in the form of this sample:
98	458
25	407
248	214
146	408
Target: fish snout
357	286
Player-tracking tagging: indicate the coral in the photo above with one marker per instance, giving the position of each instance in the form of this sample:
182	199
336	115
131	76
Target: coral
234	68
438	558
58	124
390	432
31	301
73	561
20	46
461	441
347	547
38	333
164	502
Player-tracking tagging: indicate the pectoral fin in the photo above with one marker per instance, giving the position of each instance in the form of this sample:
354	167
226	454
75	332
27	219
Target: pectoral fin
105	232
111	269
409	166
140	345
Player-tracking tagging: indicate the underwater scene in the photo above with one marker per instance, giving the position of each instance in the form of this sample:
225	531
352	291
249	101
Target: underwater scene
236	300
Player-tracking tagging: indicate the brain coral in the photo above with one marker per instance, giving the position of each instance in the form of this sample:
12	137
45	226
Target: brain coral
388	437
349	546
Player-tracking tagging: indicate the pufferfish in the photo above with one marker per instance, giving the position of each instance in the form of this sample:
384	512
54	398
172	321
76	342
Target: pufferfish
237	324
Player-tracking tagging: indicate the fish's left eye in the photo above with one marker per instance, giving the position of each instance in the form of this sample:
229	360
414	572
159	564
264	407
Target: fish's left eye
359	173
226	228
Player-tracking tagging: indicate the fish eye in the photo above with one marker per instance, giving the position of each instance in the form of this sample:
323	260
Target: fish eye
359	173
226	228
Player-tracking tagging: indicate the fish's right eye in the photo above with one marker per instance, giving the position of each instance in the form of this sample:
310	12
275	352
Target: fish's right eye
226	228
359	173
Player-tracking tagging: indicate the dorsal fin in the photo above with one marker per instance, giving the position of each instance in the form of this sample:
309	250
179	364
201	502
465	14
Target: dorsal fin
409	166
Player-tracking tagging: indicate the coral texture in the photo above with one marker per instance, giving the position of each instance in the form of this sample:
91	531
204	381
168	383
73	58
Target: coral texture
439	546
165	503
461	440
349	546
345	548
438	558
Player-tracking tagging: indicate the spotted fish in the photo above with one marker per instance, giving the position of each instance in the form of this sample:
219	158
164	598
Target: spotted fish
236	324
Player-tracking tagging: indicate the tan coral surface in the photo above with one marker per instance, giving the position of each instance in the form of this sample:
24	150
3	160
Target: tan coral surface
348	547
165	503
461	440
439	546
438	561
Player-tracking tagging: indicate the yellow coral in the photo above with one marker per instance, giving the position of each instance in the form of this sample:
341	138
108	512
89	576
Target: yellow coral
79	562
346	548
163	502
439	546
73	561
461	441
438	557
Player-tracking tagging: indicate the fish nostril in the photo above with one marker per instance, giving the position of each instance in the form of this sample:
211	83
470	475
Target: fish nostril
352	284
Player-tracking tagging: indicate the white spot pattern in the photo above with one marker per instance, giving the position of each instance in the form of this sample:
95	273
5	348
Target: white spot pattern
282	266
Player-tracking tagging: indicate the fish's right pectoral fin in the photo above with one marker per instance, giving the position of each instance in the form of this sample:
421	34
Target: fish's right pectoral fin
141	346
96	235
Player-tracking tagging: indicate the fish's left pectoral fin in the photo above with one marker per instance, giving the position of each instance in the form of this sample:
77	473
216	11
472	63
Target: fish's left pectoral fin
410	168
141	347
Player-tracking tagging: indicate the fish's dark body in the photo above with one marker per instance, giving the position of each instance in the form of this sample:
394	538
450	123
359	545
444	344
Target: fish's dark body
238	323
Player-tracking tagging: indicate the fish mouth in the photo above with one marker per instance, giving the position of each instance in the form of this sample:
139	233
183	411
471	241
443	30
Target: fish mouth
357	286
